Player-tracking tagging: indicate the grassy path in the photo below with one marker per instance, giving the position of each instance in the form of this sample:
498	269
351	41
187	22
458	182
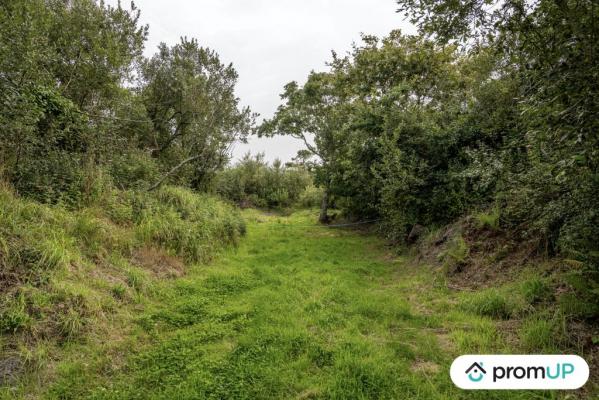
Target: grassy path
296	312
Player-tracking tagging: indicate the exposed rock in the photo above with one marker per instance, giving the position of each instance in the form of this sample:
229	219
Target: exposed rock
415	233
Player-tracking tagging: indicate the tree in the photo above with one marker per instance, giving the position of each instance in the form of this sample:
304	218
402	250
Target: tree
315	112
550	50
62	64
190	99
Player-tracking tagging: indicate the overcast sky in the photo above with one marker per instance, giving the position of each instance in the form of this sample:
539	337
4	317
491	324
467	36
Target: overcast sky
269	42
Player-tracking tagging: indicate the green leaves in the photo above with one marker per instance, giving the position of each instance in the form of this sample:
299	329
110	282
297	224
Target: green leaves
190	98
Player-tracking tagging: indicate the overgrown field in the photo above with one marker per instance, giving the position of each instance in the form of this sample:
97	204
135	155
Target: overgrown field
74	278
300	311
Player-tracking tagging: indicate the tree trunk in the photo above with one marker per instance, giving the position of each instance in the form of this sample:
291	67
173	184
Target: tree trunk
324	207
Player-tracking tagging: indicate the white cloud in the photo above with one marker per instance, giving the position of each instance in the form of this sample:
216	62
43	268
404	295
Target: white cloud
270	42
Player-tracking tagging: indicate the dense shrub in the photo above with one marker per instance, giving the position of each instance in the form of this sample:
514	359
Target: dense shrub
65	112
252	182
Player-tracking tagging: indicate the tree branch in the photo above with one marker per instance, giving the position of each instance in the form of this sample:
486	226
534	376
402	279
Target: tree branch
172	171
308	145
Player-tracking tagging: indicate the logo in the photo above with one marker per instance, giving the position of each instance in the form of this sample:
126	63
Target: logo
476	372
519	372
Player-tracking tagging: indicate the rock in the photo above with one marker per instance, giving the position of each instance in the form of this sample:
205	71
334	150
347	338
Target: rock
415	233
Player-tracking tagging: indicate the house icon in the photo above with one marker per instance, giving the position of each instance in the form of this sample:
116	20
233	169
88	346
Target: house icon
476	372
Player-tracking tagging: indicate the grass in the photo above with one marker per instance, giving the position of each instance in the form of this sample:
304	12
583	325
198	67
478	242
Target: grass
70	278
488	220
491	303
298	311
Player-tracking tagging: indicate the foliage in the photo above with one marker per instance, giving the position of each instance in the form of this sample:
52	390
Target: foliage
62	65
313	111
311	197
492	103
252	182
455	257
535	290
190	99
487	220
548	50
71	105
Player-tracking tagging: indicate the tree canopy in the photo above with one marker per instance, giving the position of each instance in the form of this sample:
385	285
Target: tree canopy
78	97
492	104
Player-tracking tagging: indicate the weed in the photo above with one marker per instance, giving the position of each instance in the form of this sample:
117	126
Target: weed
490	303
535	290
488	220
13	315
119	291
136	279
539	334
456	255
71	324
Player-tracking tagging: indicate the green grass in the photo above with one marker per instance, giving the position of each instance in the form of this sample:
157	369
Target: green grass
70	281
488	220
298	311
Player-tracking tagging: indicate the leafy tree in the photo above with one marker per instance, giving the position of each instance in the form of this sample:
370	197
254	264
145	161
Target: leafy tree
313	113
190	99
403	92
550	49
62	64
252	182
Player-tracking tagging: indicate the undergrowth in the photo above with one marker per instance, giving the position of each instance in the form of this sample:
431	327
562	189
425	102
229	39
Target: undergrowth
65	273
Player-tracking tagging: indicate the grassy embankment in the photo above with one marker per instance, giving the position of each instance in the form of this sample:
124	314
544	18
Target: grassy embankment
73	282
302	311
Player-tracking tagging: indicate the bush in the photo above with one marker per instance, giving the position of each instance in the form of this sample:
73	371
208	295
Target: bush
487	220
134	170
311	197
252	182
454	258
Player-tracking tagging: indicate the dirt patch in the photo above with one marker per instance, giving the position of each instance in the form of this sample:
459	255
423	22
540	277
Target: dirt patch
10	368
161	264
425	367
482	257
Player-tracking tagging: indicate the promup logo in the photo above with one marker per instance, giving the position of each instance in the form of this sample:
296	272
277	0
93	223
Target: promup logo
519	372
476	372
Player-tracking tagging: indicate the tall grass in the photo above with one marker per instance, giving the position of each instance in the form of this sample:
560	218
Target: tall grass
190	225
63	271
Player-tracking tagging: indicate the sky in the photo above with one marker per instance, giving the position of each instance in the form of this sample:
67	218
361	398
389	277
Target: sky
269	42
